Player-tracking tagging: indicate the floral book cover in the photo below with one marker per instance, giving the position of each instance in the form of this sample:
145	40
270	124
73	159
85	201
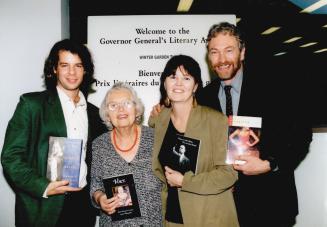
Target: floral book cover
123	187
64	160
243	137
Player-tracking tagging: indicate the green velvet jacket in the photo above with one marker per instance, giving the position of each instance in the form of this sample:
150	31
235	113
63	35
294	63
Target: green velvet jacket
24	155
205	197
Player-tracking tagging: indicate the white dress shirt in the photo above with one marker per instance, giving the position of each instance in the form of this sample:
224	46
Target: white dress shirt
77	126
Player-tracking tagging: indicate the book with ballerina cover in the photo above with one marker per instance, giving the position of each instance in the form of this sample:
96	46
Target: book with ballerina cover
123	187
64	160
243	137
180	153
187	151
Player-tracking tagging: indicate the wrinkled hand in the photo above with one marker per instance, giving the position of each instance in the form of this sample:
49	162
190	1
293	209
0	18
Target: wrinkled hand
174	178
60	187
253	165
155	110
108	205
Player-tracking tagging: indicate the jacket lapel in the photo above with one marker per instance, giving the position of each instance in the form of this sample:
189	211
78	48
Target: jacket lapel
160	132
251	97
214	93
193	122
56	115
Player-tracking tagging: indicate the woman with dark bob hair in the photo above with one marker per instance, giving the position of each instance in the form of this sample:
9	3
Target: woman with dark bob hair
200	196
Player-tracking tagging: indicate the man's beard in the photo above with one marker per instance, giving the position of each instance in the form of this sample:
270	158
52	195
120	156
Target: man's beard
232	74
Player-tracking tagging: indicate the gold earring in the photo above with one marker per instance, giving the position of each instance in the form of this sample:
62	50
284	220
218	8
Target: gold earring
195	103
167	102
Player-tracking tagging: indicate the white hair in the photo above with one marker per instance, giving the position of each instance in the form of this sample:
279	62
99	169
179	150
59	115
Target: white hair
104	111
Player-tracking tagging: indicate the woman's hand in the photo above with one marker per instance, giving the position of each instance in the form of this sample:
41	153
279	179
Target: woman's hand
107	205
156	110
174	178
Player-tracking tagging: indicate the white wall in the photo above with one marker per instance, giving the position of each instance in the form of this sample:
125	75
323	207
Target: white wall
28	29
311	182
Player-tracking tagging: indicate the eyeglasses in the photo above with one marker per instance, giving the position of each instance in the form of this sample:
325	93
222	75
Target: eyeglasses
127	104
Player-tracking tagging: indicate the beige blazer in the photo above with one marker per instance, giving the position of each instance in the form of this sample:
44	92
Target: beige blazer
205	197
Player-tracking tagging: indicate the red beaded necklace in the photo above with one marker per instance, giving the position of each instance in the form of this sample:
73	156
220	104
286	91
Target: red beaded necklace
124	150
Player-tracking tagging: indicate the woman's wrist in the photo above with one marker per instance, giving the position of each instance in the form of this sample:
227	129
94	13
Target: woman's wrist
97	196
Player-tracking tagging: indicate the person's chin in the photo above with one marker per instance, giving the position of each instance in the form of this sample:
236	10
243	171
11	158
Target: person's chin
123	124
225	76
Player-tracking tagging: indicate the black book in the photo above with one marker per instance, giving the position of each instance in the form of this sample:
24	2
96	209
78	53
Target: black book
123	187
182	154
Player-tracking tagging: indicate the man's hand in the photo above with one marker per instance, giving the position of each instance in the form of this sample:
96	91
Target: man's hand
253	165
155	110
60	187
174	178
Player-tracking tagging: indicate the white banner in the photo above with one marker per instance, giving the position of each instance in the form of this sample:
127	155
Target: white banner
135	49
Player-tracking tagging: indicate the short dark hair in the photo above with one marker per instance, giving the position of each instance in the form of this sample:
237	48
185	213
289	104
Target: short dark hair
50	78
226	28
189	64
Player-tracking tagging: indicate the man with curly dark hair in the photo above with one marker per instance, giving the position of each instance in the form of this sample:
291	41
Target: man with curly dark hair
62	111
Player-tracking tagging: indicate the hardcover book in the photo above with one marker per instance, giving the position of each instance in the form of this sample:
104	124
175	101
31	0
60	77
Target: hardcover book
64	160
123	187
187	151
243	137
180	153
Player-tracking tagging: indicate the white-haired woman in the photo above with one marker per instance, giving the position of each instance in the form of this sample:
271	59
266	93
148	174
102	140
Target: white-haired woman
126	148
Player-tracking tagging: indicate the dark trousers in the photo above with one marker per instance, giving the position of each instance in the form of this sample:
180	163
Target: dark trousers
78	210
258	216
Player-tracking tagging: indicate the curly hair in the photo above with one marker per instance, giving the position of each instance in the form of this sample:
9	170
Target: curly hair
51	63
139	106
226	28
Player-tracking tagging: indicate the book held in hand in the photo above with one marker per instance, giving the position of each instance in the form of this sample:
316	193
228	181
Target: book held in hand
186	151
64	160
243	137
180	153
123	187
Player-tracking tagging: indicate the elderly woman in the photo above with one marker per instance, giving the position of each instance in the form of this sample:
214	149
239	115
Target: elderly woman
192	198
125	149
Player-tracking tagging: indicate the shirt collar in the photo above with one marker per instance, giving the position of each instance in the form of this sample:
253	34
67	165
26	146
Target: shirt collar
65	98
236	82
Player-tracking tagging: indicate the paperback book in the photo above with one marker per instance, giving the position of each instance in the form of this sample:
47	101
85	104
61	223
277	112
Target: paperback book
243	137
187	151
123	187
180	153
64	160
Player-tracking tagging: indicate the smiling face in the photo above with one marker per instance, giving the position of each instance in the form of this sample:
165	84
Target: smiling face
70	72
124	114
225	56
180	86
